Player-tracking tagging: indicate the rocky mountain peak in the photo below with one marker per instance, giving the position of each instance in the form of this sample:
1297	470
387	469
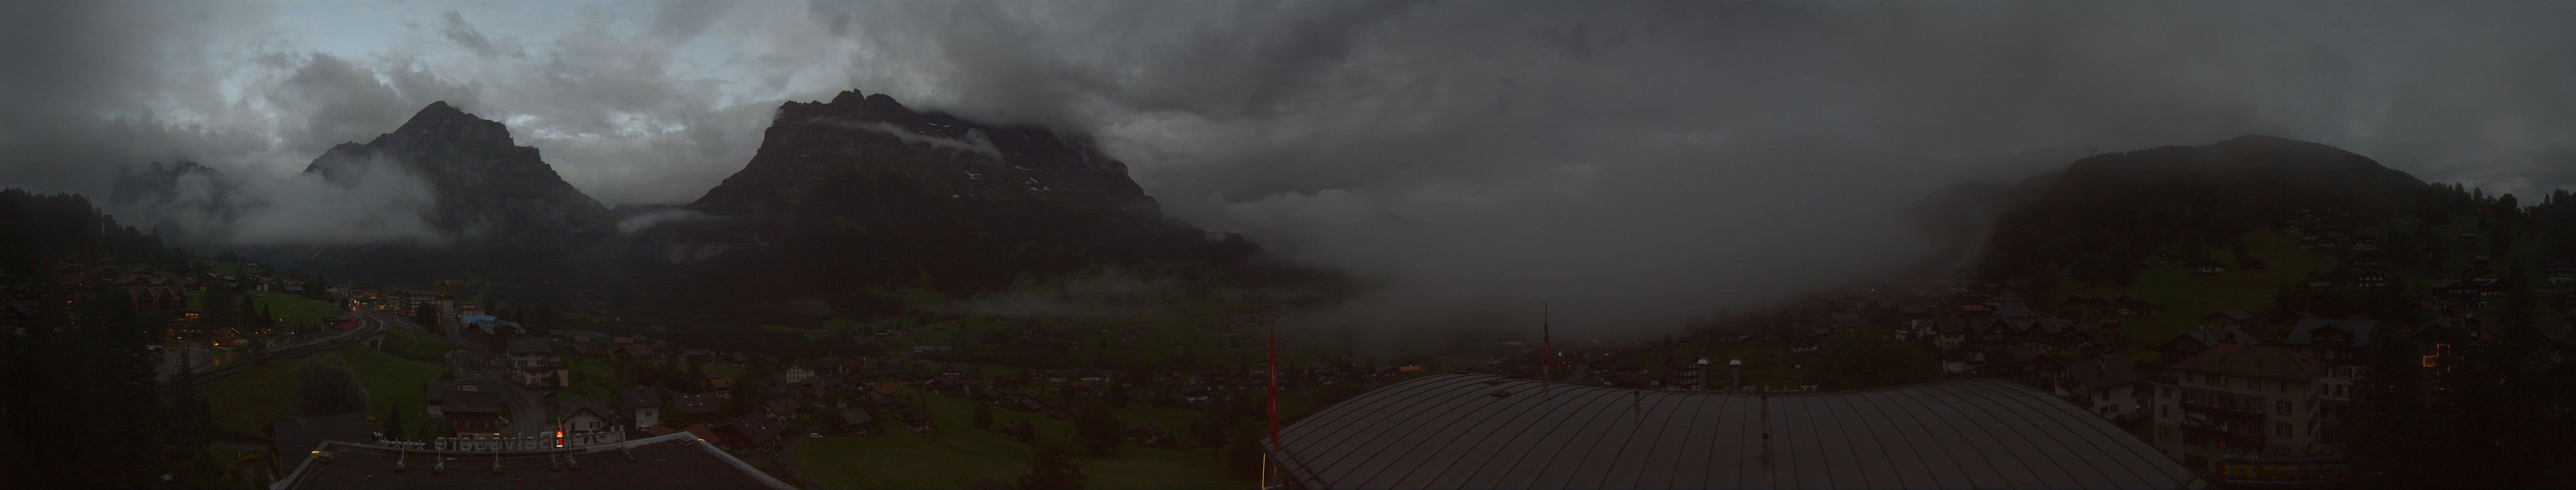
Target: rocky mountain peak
488	188
440	123
809	142
863	187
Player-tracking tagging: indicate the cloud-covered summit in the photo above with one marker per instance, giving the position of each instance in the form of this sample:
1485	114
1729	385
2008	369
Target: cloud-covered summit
1702	153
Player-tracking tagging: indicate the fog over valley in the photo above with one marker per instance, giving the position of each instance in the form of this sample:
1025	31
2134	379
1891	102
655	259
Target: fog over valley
1633	164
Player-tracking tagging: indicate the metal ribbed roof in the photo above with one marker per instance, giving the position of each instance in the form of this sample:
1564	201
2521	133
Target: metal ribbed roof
1455	431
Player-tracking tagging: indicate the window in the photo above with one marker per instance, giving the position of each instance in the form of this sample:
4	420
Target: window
2283	428
2283	408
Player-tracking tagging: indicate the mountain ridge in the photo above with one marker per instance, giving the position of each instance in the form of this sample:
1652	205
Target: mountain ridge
2096	220
491	192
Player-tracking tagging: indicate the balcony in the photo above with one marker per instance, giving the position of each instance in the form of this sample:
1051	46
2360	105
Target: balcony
2221	410
2216	439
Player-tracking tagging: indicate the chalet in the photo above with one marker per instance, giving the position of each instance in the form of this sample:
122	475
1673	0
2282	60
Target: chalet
2335	341
2478	271
580	415
919	419
716	381
2193	342
830	385
1022	431
1144	433
2107	387
639	406
1800	344
2015	311
633	351
1946	333
2028	366
2468	237
750	432
781	409
1987	334
2058	335
533	363
2363	259
2438	305
2229	318
475	413
495	329
2005	299
2561	272
2207	267
857	420
434	393
2369	279
2134	305
805	369
2365	242
697	403
2468	291
2479	260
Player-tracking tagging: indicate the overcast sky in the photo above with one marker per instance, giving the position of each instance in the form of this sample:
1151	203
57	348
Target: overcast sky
1490	152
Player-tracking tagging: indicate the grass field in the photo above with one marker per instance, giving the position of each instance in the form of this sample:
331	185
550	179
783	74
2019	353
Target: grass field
2186	298
246	401
294	309
416	344
587	382
958	454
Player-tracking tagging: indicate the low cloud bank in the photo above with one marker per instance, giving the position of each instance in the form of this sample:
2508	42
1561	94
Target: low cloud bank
376	202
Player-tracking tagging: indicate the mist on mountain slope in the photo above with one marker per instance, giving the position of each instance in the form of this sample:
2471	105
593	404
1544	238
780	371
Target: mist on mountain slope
1628	160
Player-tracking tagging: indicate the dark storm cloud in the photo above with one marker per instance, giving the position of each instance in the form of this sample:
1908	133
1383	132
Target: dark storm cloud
1632	162
1639	162
464	34
64	125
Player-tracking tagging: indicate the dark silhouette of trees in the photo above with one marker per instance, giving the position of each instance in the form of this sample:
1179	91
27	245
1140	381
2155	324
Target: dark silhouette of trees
326	385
